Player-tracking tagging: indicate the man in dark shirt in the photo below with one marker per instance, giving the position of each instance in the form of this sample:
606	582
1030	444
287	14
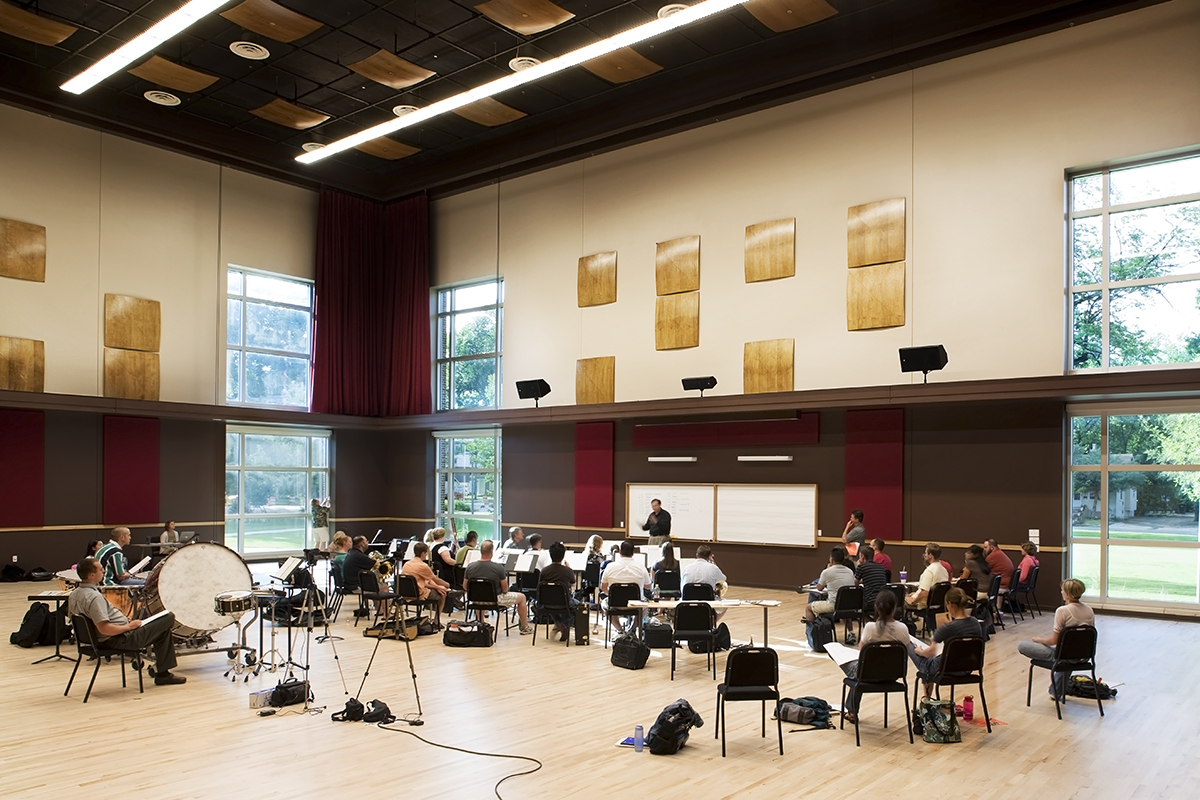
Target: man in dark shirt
881	558
356	561
998	562
558	572
658	524
961	625
871	575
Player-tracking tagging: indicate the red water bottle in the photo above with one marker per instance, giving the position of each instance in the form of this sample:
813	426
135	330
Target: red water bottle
968	707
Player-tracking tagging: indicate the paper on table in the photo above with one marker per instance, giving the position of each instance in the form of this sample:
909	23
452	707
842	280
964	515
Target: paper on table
840	653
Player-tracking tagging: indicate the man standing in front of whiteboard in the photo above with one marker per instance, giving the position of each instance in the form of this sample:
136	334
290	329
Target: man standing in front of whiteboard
658	524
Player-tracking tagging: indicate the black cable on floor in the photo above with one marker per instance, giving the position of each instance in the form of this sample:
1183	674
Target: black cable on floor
496	788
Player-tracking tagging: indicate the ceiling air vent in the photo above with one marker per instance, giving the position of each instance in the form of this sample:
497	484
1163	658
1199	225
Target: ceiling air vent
161	98
522	63
250	50
308	147
672	8
400	111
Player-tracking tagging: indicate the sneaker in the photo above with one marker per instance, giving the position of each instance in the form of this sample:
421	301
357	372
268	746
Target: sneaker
168	679
526	631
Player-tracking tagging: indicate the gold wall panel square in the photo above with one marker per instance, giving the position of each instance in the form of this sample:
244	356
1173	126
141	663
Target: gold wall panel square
875	297
875	233
271	20
289	115
132	323
621	66
598	279
677	321
22	251
130	374
677	266
771	250
768	366
157	69
595	380
22	364
787	15
391	70
525	16
490	112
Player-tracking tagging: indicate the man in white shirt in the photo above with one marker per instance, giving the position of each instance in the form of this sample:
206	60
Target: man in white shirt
934	573
704	570
625	570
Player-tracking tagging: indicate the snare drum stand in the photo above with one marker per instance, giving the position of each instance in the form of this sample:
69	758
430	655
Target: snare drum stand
269	660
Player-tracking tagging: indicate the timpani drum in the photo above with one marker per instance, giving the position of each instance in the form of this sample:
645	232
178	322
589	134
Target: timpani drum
120	597
186	582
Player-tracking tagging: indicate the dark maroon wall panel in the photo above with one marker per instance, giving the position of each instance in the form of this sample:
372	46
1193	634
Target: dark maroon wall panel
594	474
875	470
23	455
131	459
804	429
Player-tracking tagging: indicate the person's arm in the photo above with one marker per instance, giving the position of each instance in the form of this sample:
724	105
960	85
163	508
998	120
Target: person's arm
107	628
444	554
966	573
664	524
651	521
120	569
926	651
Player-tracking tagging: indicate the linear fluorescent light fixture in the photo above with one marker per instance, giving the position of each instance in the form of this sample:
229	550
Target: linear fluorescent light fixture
764	458
671	459
603	47
131	51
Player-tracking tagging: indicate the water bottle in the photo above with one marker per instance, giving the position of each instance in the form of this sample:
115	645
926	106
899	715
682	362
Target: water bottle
904	574
968	708
637	739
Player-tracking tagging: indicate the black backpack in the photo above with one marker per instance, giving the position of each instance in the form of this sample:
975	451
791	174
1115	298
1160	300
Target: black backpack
670	731
36	620
721	640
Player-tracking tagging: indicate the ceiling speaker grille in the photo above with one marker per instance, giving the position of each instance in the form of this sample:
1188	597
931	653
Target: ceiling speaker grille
250	50
161	98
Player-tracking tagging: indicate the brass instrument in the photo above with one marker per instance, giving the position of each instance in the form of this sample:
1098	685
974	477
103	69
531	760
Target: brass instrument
383	565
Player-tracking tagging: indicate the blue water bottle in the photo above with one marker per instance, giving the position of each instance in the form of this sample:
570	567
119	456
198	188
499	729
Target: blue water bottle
637	739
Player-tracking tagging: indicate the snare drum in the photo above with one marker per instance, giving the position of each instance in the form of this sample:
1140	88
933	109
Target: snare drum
232	604
186	582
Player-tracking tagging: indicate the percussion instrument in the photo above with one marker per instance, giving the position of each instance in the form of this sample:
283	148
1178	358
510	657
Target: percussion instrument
186	582
120	598
231	604
67	579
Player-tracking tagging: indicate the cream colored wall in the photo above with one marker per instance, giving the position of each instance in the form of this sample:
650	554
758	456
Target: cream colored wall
978	146
127	218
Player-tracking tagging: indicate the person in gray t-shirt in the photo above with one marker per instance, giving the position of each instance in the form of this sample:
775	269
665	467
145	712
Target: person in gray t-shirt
487	570
855	532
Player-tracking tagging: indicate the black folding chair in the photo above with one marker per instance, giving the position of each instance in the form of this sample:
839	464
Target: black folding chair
751	673
87	642
961	663
482	597
1075	652
527	583
848	606
882	669
667	581
698	591
619	597
695	621
993	601
1027	590
553	605
936	604
409	594
370	590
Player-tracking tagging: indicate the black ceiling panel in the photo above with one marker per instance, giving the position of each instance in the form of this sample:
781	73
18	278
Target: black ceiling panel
339	47
483	38
93	15
364	89
434	16
216	111
281	83
242	95
386	31
333	13
313	67
334	103
440	56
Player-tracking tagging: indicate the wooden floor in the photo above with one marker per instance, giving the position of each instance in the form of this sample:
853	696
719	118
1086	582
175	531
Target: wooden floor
567	707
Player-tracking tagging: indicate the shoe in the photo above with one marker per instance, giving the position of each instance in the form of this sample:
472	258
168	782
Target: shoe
526	631
851	718
168	679
562	635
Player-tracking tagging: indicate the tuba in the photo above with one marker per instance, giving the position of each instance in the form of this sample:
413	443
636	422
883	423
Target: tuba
383	565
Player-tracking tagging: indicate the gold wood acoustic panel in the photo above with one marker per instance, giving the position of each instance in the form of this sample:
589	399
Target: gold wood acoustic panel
489	112
875	233
391	70
677	321
271	20
159	70
22	364
875	297
621	66
595	380
281	112
28	26
388	148
22	251
525	16
771	250
787	15
767	366
677	266
131	323
598	279
130	374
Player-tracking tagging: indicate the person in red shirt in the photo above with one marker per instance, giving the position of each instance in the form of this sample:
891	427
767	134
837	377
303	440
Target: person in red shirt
999	562
880	556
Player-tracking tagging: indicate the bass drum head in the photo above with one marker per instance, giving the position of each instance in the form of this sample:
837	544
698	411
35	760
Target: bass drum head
189	579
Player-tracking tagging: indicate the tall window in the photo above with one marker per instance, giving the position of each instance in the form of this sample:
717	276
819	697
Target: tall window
468	337
468	482
1135	265
271	477
1134	515
268	339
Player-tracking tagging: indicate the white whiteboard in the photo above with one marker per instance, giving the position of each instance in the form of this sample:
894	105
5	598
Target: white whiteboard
690	506
781	514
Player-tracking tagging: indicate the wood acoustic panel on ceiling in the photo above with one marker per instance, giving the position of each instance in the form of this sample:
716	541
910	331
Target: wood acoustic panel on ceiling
677	321
159	70
598	279
22	364
621	66
271	20
677	266
788	15
875	297
281	112
768	366
875	233
595	380
131	323
22	251
771	250
385	147
26	25
391	70
130	374
490	112
526	17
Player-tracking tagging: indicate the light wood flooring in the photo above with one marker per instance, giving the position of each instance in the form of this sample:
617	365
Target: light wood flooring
567	707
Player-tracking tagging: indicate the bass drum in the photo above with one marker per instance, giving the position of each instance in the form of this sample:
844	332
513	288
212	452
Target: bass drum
186	582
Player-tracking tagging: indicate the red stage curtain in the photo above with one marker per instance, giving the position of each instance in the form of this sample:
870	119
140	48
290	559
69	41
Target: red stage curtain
131	461
23	449
371	341
875	470
594	474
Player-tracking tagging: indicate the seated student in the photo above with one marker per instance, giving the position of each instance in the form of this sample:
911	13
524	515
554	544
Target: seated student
881	557
625	570
885	628
833	578
870	575
961	625
516	540
1028	562
112	557
934	572
337	551
427	581
1068	615
614	553
440	556
705	570
975	567
470	544
668	561
558	572
999	562
488	570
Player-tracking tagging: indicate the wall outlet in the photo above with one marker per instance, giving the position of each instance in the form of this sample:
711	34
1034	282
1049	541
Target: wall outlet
14	559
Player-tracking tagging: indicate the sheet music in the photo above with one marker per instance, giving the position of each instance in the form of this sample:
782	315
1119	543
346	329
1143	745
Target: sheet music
153	617
526	562
840	653
139	566
937	646
472	557
286	569
577	560
408	554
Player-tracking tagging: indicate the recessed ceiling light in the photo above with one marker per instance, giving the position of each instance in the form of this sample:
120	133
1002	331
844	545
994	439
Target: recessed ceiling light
400	111
523	62
250	50
671	8
161	98
308	147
